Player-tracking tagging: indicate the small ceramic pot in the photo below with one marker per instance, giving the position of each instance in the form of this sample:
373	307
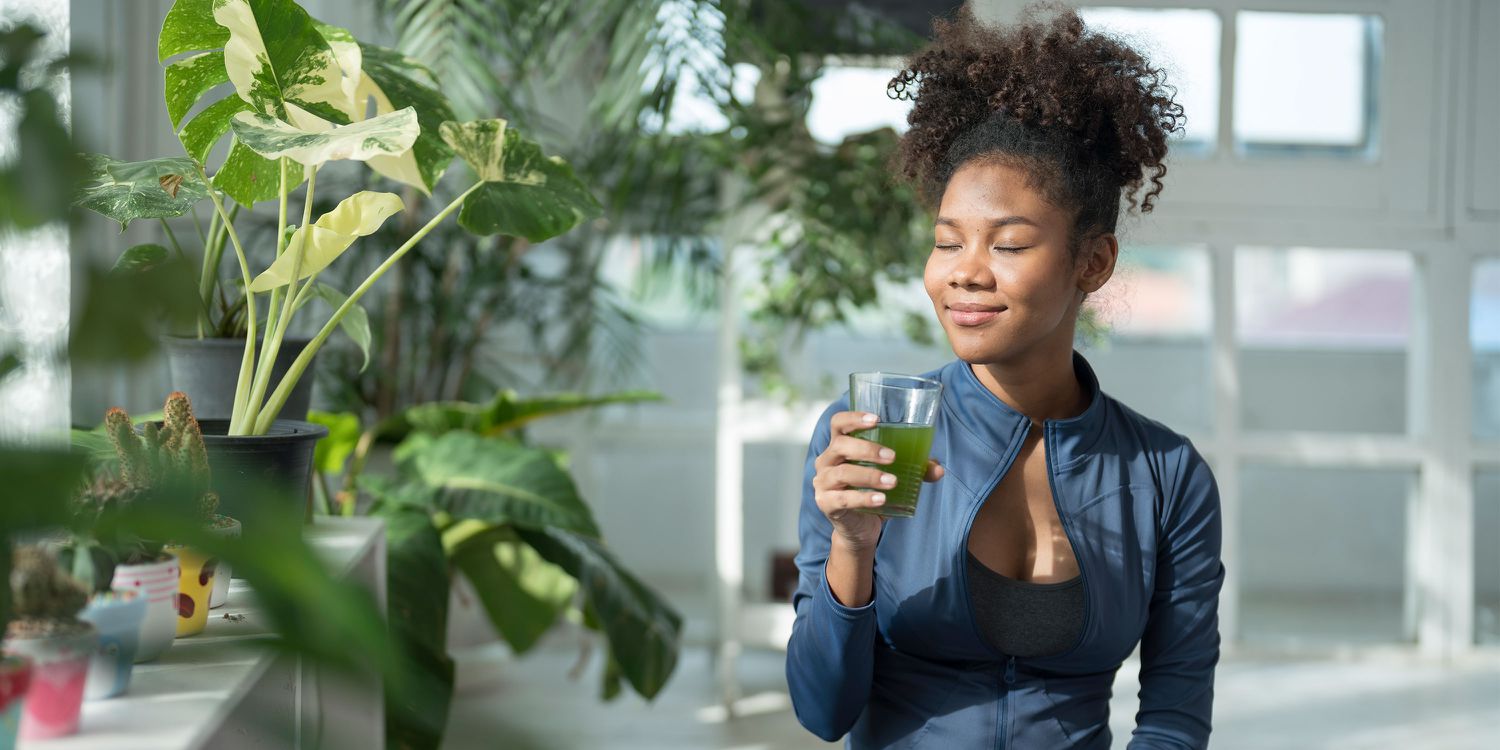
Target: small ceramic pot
157	581
15	677
117	615
193	589
230	528
59	668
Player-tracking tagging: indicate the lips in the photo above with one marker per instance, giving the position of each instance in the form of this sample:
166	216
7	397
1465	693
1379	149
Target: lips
973	314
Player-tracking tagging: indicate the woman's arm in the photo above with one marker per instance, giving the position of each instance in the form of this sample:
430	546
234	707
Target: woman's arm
830	657
1180	647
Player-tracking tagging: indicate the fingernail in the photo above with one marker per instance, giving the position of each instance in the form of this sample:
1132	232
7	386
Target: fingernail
877	499
888	479
868	419
886	454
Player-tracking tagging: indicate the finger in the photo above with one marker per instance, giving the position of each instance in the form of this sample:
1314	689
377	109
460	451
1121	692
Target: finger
835	501
846	422
935	470
856	476
855	449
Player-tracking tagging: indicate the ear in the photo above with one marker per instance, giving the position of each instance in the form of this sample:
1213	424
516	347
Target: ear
1097	262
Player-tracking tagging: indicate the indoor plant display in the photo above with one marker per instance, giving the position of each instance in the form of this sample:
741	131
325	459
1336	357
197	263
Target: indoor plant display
296	105
170	455
46	628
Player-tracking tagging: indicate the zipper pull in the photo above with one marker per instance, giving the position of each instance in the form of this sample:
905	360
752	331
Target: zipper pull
1010	671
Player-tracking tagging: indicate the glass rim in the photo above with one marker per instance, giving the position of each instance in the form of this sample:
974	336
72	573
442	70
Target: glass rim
918	382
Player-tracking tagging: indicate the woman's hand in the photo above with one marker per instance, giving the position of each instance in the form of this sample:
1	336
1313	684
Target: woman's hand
841	487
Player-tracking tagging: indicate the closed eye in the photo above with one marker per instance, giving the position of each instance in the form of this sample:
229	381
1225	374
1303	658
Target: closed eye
1011	249
948	247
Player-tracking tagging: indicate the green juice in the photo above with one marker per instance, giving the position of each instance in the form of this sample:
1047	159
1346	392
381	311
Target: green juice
911	442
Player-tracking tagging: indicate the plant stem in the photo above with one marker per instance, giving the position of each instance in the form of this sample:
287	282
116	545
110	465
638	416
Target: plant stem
177	246
276	330
284	388
247	362
276	293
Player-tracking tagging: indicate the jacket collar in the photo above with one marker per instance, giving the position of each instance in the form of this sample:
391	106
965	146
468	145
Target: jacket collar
998	424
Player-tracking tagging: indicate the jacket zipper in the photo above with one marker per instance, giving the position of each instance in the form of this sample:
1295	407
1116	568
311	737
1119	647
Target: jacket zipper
1068	532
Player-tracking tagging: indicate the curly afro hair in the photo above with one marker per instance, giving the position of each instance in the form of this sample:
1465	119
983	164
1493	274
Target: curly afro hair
1084	114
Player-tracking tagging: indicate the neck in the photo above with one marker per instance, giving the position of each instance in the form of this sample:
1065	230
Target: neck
1041	387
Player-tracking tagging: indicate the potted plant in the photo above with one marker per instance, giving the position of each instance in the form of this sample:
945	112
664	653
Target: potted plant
46	628
88	556
297	105
171	455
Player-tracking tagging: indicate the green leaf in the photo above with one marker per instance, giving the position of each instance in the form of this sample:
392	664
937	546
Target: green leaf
386	135
505	412
249	178
189	79
523	594
200	135
643	630
417	580
355	323
275	56
480	143
392	80
334	449
140	258
9	362
122	312
495	480
313	248
188	27
153	189
534	196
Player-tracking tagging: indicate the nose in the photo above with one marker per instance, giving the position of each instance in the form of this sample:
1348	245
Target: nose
970	271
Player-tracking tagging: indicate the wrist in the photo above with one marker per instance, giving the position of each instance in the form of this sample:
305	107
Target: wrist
858	550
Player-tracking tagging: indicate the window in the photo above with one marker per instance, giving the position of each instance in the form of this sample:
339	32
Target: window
851	99
1305	80
1157	315
1484	335
1186	42
1324	338
1298	584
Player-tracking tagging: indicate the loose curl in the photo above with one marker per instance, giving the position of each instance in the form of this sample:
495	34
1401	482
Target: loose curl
1081	112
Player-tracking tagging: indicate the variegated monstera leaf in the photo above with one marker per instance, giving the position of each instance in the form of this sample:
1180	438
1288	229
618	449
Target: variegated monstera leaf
525	192
286	65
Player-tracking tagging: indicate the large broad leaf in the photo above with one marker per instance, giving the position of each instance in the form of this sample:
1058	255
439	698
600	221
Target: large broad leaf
387	135
277	57
395	81
644	632
526	193
505	412
522	593
312	248
417	590
126	191
334	449
495	480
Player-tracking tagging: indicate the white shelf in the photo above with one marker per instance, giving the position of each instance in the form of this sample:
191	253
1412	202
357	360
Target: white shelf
219	689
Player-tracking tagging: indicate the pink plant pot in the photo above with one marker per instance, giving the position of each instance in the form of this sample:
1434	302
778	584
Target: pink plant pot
157	581
15	678
60	667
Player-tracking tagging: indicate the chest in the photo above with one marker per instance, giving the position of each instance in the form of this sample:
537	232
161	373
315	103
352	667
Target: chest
1017	531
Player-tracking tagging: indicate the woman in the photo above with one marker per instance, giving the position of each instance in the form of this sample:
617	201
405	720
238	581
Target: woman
1058	528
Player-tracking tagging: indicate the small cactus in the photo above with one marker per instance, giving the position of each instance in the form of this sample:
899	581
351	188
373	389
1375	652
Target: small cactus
172	452
45	600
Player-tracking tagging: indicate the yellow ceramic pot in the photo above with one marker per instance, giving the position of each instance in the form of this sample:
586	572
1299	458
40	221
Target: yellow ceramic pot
195	586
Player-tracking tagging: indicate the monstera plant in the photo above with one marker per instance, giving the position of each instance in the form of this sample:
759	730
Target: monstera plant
304	94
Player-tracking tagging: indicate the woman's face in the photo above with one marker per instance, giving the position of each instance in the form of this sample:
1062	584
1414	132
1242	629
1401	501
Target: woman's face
1000	275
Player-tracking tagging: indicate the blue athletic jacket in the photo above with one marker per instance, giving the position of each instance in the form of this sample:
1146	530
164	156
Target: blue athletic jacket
910	669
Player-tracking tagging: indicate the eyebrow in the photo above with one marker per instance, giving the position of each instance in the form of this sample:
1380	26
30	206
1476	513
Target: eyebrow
1003	221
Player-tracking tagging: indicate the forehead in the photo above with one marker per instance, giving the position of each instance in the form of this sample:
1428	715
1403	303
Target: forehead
984	190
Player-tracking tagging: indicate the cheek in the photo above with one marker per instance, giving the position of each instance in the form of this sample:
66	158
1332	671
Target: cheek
933	276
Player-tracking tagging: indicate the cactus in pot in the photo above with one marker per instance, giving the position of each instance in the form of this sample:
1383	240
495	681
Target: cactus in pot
45	627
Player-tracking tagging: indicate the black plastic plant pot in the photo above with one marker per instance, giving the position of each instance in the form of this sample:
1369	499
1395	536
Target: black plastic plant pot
207	370
250	469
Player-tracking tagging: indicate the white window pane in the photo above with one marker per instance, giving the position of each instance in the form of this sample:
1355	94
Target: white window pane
847	100
1186	44
1301	78
1323	339
1486	557
1484	334
1301	584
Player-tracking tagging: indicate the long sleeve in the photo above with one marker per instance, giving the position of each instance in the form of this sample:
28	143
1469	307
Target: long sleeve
1180	646
830	657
